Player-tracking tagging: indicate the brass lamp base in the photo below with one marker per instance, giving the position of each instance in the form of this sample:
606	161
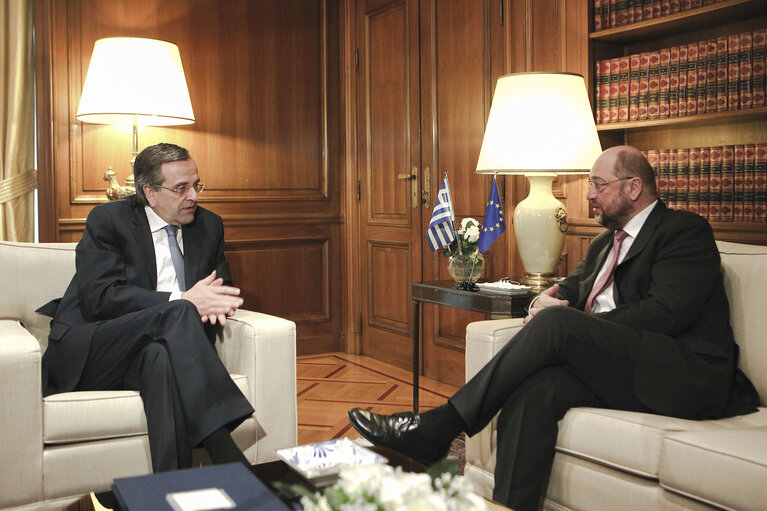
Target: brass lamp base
537	281
114	190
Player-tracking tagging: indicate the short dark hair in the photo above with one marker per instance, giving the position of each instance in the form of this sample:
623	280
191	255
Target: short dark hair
147	169
633	163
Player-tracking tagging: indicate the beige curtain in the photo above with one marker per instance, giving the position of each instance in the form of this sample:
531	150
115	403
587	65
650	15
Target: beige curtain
18	178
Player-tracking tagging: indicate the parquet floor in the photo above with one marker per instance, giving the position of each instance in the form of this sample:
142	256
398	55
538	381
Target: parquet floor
330	384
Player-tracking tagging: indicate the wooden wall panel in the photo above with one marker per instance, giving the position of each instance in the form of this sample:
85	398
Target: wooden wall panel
264	80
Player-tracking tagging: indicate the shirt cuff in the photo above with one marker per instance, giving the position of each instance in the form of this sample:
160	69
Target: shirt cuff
174	295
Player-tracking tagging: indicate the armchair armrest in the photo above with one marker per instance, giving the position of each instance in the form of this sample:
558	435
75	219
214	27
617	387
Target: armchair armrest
263	348
486	338
21	415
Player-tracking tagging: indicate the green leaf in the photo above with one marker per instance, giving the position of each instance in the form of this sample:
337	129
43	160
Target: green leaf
443	466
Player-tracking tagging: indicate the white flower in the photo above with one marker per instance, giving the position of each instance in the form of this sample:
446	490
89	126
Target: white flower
472	234
468	222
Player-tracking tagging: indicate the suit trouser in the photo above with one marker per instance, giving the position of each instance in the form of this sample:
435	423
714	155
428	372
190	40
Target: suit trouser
562	359
165	354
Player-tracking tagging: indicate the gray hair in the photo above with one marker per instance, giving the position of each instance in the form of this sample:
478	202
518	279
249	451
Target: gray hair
147	169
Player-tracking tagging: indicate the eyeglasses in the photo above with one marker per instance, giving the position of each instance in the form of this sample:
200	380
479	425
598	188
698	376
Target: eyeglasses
601	185
182	190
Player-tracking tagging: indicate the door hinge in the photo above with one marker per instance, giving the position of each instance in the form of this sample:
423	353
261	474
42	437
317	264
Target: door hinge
357	59
359	323
359	191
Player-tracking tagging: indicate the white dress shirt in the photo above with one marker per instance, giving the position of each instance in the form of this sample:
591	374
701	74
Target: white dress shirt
605	301
166	272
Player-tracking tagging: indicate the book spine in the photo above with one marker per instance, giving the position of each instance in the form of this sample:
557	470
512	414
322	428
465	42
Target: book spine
685	5
653	101
760	183
613	12
695	3
647	9
728	179
644	84
673	82
663	81
702	89
692	79
721	75
758	67
623	89
656	9
597	15
715	184
733	71
682	79
738	173
705	172
652	159
621	13
744	59
749	181
676	6
615	74
634	87
663	177
665	7
693	186
672	177
682	178
604	91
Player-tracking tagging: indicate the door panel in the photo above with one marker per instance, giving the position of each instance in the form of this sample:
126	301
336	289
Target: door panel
389	153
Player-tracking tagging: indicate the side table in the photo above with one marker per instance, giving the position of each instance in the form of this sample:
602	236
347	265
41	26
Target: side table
444	292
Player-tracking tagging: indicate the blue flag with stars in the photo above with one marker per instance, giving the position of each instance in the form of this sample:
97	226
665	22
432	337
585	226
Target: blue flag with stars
494	223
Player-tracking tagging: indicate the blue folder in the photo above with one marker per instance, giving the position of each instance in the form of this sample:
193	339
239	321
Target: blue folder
150	492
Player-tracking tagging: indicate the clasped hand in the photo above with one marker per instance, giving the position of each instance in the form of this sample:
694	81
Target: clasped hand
547	298
214	301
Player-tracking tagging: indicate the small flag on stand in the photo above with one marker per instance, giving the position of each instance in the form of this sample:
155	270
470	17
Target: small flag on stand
494	223
440	232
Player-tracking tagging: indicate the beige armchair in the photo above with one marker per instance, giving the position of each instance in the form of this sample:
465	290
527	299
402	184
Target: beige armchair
610	459
56	449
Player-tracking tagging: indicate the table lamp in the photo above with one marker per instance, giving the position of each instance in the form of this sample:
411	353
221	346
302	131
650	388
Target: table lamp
134	81
540	125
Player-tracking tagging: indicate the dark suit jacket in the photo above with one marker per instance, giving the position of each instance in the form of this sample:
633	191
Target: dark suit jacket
670	287
116	273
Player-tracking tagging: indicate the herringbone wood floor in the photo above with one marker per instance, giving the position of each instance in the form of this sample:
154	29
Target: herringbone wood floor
331	384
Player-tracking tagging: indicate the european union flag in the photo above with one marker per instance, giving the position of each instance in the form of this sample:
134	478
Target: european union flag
494	223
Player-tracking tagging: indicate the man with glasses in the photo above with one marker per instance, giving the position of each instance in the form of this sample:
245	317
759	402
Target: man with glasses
151	287
642	324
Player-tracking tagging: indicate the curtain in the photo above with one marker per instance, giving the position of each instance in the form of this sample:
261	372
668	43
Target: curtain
18	178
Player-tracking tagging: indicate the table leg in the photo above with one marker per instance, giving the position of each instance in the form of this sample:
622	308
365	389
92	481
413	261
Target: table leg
416	354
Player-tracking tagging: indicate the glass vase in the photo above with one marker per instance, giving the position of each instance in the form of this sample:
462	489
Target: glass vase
466	268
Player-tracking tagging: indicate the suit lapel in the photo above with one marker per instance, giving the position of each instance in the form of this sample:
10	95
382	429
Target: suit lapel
143	237
588	282
646	232
192	245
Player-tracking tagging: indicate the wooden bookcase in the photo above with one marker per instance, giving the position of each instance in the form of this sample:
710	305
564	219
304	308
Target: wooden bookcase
711	129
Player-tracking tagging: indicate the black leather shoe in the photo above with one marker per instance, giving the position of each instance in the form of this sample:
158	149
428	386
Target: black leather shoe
401	432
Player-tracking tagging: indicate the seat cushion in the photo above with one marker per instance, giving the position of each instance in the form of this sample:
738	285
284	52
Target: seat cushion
631	441
97	415
726	468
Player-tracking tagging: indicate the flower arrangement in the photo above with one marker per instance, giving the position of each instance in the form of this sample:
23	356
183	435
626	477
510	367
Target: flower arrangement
379	487
466	238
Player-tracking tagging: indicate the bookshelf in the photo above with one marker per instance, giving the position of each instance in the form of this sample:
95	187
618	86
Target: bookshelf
718	128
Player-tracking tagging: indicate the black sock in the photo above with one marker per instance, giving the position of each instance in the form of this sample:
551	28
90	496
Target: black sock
443	423
222	448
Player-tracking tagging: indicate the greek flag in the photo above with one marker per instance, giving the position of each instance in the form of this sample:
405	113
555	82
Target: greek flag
440	231
494	225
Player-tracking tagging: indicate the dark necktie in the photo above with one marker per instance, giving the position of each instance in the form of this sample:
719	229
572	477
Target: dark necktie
176	255
607	276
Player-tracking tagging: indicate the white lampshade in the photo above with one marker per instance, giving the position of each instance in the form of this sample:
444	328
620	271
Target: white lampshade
538	123
133	79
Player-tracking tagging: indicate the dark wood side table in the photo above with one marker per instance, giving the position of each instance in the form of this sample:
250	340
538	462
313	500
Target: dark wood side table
444	292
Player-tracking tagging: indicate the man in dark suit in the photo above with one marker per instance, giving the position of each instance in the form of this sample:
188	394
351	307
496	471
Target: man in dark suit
151	278
642	324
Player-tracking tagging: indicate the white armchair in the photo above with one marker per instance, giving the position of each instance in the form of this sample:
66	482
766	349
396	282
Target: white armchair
56	449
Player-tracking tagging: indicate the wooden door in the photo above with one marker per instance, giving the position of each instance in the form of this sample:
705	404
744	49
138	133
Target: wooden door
389	173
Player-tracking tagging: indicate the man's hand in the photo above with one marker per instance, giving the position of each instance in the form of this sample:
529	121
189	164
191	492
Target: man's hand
214	301
547	298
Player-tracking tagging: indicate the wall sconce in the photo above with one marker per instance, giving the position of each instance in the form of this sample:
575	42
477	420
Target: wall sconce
540	125
134	81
